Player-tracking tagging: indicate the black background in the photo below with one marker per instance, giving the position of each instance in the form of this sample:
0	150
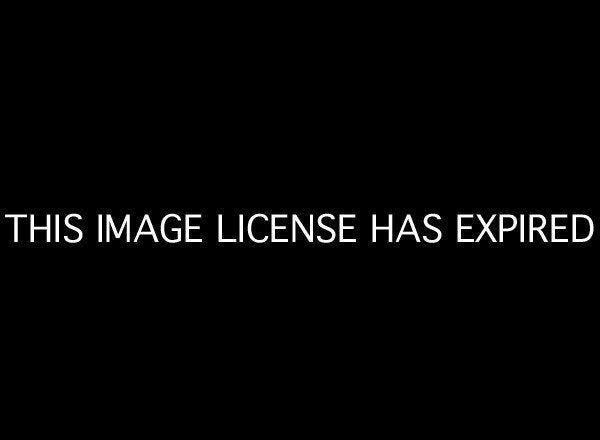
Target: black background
386	112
